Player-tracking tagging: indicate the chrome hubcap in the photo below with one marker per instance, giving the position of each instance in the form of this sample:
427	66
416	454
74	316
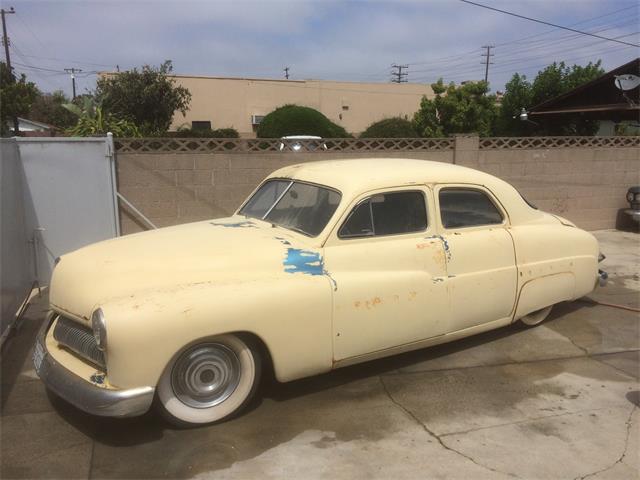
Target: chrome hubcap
205	375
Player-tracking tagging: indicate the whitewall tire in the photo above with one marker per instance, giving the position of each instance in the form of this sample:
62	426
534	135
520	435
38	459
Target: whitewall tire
209	381
537	317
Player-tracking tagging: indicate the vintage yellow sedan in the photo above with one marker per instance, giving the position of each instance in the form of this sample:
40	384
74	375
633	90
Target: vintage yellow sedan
326	264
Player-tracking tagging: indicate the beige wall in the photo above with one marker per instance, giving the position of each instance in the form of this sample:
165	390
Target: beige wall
230	102
585	185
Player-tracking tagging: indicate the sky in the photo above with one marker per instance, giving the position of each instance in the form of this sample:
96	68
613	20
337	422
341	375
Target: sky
317	39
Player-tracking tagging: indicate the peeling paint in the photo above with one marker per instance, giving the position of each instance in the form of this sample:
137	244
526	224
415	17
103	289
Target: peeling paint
243	224
445	244
283	241
97	378
303	261
333	281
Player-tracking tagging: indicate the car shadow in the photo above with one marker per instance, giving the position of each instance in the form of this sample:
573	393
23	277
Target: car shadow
152	426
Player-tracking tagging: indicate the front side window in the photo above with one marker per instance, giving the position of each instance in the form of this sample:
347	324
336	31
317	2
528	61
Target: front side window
386	214
460	207
298	206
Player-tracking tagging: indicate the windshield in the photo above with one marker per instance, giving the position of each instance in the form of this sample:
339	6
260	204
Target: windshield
298	206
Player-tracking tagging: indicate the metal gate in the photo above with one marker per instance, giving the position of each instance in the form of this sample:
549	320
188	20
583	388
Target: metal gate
69	196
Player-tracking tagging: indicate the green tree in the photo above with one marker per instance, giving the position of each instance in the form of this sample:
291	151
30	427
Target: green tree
16	98
49	108
296	120
395	127
456	109
517	96
554	80
93	120
148	97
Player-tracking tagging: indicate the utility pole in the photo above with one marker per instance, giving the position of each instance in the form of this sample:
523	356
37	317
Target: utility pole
399	76
487	61
73	71
5	41
286	72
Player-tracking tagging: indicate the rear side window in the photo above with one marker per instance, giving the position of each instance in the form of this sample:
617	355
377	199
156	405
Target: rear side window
461	207
386	214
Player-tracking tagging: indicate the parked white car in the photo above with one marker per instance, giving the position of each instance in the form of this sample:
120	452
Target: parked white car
297	143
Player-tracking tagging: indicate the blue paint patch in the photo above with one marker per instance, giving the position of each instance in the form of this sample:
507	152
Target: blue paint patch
97	378
244	224
303	261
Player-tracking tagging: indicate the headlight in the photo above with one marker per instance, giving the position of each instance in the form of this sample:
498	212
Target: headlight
99	329
630	196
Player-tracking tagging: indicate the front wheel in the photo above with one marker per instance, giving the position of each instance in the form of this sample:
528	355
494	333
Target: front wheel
537	317
210	381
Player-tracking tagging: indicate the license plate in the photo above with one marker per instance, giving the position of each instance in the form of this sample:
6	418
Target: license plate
38	356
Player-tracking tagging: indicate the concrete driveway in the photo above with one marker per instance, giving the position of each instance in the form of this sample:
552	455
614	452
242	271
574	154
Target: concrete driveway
557	401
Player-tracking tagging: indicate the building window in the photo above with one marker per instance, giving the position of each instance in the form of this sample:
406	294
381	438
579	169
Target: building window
201	125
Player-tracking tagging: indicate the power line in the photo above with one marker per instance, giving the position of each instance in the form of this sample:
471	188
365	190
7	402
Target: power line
77	62
73	71
572	25
548	23
463	60
20	19
520	57
5	40
456	58
487	61
399	76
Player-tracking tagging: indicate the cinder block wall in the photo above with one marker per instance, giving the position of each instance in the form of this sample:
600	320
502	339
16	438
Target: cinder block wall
585	185
174	188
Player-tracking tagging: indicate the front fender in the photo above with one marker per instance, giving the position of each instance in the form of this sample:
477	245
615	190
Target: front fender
292	316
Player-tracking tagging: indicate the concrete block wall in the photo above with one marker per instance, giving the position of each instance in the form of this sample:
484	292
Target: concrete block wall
174	188
585	185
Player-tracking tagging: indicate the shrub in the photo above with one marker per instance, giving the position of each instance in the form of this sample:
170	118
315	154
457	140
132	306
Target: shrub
394	127
296	120
205	133
93	120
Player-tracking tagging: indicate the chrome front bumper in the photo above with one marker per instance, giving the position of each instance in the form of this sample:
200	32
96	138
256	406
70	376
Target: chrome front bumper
84	395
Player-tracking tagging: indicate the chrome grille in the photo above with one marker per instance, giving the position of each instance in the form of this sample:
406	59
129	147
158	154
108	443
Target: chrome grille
79	339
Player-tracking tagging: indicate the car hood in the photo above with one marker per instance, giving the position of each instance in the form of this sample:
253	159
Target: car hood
228	250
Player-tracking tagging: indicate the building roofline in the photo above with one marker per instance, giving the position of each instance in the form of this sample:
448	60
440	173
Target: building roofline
595	81
278	80
38	124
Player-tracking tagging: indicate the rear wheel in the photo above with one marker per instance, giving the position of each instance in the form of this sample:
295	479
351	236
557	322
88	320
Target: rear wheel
537	317
210	381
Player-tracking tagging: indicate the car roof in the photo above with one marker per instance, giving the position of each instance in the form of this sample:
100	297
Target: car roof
356	176
300	137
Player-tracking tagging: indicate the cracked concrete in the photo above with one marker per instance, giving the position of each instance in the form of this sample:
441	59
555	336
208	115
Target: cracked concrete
559	401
